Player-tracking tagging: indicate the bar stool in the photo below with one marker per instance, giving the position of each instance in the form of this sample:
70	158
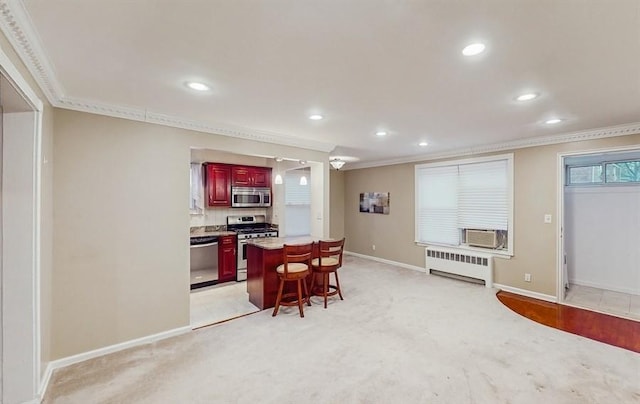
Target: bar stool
328	261
295	268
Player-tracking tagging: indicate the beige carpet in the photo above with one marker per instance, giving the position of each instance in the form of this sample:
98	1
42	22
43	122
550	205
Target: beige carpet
398	337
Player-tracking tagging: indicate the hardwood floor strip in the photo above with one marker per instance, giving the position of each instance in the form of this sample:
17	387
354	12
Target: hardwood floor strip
611	330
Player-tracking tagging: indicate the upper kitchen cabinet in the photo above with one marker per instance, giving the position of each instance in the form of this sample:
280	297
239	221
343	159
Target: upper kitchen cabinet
245	176
218	184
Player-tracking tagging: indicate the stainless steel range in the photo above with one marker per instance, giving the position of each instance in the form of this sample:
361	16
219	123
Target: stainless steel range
248	227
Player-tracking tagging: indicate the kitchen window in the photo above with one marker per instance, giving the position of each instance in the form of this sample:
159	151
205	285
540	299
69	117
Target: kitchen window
297	200
473	194
196	196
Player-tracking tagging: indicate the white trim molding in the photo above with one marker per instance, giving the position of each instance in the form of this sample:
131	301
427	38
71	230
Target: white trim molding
527	293
599	133
385	261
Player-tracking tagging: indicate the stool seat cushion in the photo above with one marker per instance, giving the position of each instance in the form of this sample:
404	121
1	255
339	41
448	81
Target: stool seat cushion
326	261
294	267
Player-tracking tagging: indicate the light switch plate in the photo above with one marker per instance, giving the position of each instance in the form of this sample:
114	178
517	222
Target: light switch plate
547	218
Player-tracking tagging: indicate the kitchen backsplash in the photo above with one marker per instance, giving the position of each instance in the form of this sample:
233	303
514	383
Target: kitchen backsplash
218	216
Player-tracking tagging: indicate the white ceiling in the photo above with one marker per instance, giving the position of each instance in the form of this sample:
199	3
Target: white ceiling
366	65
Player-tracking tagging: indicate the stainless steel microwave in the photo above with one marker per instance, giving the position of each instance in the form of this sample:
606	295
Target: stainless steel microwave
247	197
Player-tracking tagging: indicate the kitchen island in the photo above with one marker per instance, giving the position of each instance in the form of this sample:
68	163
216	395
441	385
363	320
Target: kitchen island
263	257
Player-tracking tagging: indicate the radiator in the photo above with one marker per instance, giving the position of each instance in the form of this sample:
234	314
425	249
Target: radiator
462	263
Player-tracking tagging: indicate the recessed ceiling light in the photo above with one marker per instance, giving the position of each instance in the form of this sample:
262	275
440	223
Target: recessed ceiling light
526	97
473	49
194	85
381	133
553	121
423	144
316	117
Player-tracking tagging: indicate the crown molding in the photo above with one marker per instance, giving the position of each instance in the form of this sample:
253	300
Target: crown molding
239	132
18	28
599	133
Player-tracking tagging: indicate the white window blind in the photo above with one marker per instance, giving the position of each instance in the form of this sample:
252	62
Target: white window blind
297	199
464	194
483	190
197	188
437	200
294	193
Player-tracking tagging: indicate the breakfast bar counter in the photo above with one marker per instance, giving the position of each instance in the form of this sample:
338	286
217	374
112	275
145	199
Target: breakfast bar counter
263	257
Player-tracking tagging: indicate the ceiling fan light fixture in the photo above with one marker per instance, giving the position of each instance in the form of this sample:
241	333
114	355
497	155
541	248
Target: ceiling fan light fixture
337	163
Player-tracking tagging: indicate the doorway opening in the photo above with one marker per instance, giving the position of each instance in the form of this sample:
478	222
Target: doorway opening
21	371
599	211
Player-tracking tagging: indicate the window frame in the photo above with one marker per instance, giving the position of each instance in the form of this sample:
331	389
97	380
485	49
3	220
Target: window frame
509	157
603	183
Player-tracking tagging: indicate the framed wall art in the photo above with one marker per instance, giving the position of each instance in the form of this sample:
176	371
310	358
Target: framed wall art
374	202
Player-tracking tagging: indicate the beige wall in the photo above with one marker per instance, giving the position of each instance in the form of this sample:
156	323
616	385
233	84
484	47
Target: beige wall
121	226
535	194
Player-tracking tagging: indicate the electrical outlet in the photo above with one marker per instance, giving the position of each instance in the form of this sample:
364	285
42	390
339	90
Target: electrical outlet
373	247
547	218
527	277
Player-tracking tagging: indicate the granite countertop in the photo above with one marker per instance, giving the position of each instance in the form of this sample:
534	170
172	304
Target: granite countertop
275	243
217	231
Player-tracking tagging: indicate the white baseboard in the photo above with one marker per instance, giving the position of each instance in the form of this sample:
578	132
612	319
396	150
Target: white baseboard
528	293
70	360
398	264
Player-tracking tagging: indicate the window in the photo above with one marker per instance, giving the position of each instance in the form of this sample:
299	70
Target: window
585	175
622	171
196	199
297	200
456	196
605	172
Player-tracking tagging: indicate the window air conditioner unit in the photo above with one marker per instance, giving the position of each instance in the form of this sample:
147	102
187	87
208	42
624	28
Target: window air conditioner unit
482	238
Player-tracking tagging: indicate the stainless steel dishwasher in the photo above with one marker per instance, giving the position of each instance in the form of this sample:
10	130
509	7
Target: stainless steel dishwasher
203	261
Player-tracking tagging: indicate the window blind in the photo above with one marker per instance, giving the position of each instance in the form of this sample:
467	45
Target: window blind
437	200
294	193
197	187
483	190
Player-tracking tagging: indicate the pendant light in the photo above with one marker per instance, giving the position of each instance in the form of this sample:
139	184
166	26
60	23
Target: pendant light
303	180
278	179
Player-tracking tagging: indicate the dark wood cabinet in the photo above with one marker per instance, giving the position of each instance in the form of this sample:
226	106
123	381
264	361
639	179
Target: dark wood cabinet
245	176
226	258
218	184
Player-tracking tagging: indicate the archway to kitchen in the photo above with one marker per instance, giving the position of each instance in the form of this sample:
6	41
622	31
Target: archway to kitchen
221	299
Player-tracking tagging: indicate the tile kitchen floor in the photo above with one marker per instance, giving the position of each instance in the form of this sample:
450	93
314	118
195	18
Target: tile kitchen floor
220	303
604	301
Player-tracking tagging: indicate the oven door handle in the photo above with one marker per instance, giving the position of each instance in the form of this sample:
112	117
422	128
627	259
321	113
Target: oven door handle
205	245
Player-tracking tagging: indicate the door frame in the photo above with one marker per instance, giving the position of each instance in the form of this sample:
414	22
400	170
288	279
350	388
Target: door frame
22	360
561	176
